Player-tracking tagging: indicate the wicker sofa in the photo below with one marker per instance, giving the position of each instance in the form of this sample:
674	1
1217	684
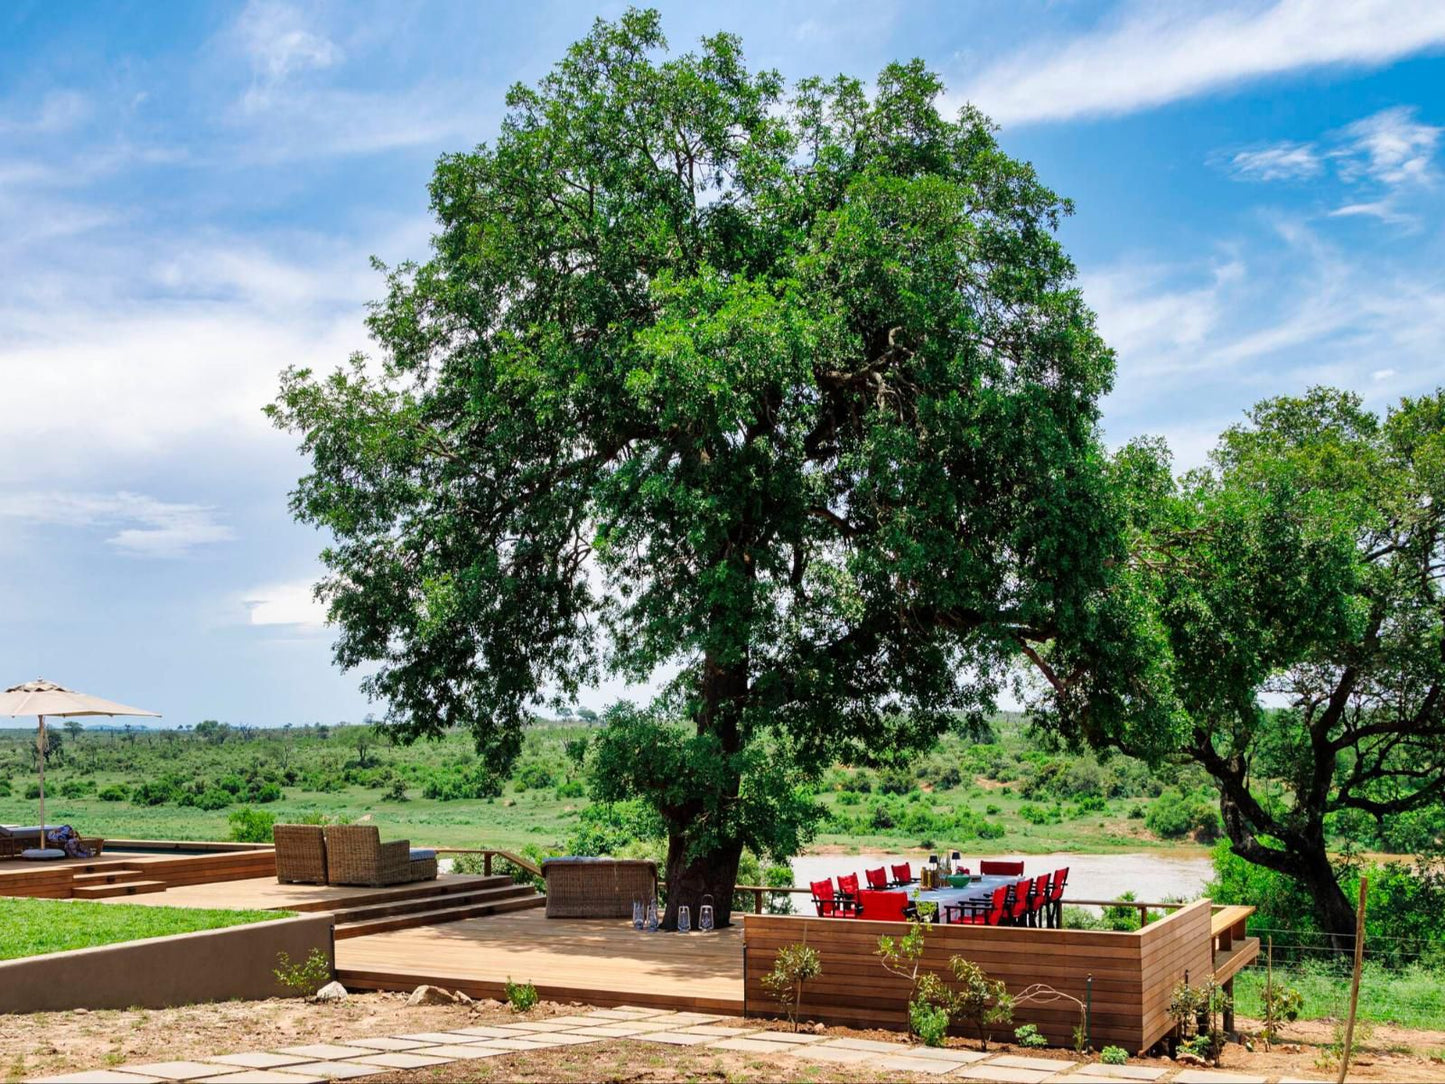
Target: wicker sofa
355	855
300	854
597	887
15	839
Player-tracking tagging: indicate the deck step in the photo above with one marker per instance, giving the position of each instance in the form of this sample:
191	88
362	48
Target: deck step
437	891
418	904
113	875
452	912
124	888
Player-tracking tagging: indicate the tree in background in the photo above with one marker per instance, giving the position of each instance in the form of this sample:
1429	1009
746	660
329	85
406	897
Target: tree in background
1297	584
789	393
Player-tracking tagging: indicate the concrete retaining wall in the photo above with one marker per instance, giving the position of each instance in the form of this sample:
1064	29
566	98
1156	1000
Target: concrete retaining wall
210	965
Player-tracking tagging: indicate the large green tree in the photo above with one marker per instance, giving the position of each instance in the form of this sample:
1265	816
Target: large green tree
783	394
1295	587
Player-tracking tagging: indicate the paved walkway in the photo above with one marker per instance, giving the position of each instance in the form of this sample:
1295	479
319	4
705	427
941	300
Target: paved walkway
358	1058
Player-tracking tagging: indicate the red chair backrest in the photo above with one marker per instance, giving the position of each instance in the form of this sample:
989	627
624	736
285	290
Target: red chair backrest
883	906
848	884
877	878
997	906
823	898
903	874
1020	905
993	867
1056	888
1040	892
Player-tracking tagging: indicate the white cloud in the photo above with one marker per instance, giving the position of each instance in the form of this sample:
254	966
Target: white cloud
1160	52
1390	147
59	111
285	604
279	45
143	526
1281	162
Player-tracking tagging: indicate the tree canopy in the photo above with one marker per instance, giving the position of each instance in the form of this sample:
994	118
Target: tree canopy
785	391
1296	588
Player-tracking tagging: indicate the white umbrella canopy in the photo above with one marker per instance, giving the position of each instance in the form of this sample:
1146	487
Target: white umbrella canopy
41	698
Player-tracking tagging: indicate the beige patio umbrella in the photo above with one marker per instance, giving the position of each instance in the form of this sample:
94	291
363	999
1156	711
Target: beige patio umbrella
41	698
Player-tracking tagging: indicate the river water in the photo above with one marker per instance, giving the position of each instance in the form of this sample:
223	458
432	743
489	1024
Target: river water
1154	876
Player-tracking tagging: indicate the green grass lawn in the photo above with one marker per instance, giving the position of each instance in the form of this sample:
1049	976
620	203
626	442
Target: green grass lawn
1410	997
34	927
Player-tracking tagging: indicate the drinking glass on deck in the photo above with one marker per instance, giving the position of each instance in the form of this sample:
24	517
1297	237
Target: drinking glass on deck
684	919
639	914
704	915
652	916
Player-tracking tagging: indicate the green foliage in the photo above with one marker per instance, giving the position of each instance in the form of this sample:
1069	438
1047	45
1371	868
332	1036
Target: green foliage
214	798
396	792
788	392
251	825
1176	814
928	1021
1196	1012
1280	1004
793	966
1114	1055
521	996
1028	1035
978	1000
305	978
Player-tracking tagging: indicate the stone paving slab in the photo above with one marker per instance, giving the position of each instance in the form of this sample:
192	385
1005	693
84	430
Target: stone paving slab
868	1044
755	1046
180	1070
615	1031
563	1038
485	1033
324	1051
98	1076
267	1076
1214	1076
623	1014
937	1053
337	1070
402	1059
386	1042
514	1044
1043	1065
567	1025
430	1038
1120	1072
901	1064
696	1017
1005	1074
718	1031
672	1038
793	1038
259	1059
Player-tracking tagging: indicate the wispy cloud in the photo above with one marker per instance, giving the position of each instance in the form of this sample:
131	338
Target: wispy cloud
58	111
1280	162
1390	147
291	604
143	526
1162	52
279	44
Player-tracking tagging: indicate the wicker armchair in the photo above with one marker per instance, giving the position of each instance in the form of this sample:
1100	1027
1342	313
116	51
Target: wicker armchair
355	855
597	887
300	854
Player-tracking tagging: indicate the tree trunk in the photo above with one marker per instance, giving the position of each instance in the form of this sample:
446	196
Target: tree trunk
714	874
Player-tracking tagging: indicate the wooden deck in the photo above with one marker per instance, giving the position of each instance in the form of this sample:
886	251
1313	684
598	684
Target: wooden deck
597	961
58	879
266	894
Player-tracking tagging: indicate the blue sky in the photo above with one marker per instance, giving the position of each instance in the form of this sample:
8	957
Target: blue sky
189	194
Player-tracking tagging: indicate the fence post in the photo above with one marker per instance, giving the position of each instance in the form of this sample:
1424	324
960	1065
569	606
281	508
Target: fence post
1354	983
1088	1013
487	863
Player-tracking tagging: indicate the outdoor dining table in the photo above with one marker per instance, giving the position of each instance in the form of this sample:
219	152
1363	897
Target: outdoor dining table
976	891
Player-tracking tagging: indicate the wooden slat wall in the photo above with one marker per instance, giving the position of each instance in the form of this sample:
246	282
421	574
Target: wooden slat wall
1133	973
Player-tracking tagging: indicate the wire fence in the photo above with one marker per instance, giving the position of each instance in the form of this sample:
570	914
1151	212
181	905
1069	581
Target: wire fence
1402	982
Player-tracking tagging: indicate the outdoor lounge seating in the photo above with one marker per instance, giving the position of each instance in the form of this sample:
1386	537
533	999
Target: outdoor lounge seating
355	855
903	875
828	904
1055	908
581	887
993	912
16	839
300	854
877	879
1038	900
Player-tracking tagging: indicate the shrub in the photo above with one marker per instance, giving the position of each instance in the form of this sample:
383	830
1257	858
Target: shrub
1092	803
522	996
980	1000
116	792
895	780
928	1021
251	825
397	791
1279	1005
534	775
303	979
793	966
268	792
1028	1035
75	788
4	786
572	788
32	790
1114	1055
214	798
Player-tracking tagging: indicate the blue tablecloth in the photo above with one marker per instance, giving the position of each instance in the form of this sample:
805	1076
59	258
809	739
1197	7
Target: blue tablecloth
977	891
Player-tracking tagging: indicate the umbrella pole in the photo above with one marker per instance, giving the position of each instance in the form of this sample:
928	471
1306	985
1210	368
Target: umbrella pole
40	749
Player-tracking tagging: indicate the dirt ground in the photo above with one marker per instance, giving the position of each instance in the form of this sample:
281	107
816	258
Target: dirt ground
52	1043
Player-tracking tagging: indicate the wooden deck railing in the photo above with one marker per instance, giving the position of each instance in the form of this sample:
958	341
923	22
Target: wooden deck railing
490	853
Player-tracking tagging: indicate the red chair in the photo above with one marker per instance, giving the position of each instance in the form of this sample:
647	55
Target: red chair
877	879
1055	912
1038	899
995	868
848	895
991	913
827	905
903	875
1018	904
883	906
